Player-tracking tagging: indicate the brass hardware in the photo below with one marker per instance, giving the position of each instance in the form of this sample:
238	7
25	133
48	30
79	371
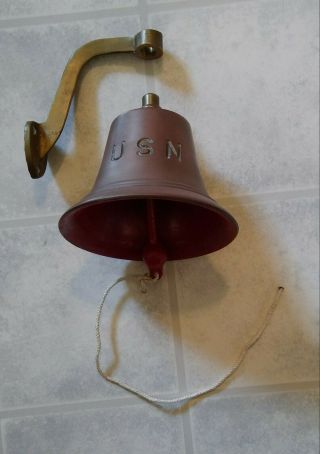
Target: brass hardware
150	100
39	138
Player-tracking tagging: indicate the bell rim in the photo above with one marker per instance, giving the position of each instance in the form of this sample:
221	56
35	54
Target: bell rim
203	201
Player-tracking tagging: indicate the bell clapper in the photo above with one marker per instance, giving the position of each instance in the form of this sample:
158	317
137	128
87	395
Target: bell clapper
153	254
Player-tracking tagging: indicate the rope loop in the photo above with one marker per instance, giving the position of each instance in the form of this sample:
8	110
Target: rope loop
143	281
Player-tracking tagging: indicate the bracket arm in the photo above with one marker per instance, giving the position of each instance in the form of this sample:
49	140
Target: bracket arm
39	138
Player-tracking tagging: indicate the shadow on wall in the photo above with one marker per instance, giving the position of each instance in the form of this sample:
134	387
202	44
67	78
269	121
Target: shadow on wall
222	296
222	301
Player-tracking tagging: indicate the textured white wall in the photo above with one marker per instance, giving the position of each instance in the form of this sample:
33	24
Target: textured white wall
244	73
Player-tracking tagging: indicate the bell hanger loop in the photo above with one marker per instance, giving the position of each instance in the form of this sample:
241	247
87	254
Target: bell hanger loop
39	138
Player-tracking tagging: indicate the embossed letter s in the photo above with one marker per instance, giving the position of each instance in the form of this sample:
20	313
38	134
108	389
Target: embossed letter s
144	146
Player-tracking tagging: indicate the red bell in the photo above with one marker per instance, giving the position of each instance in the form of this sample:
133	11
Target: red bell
149	202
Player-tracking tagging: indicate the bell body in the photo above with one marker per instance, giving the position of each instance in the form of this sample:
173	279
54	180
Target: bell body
149	192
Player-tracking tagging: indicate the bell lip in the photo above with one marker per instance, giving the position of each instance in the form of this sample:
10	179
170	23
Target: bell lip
206	202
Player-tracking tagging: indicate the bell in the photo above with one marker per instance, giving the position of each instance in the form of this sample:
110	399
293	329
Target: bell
149	202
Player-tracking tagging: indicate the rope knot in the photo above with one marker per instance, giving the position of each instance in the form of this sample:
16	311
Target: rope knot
145	279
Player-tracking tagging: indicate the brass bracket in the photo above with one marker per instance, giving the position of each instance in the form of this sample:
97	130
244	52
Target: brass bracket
39	138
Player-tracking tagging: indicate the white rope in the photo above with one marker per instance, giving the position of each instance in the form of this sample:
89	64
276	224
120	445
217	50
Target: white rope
144	279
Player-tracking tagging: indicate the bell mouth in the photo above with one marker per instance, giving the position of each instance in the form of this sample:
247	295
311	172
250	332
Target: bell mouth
117	227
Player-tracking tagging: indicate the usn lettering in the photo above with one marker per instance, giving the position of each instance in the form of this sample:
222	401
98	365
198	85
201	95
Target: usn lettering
145	147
